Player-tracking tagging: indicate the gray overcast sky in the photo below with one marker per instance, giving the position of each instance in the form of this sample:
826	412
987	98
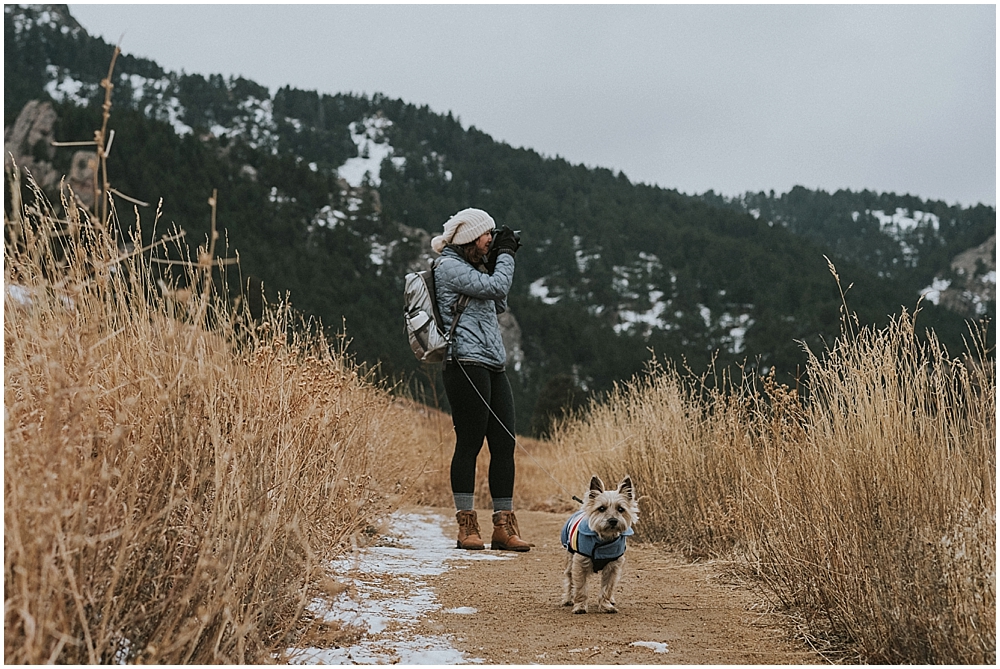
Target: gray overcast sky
898	98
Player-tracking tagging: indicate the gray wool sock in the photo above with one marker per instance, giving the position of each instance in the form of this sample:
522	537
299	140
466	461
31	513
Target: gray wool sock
503	503
464	501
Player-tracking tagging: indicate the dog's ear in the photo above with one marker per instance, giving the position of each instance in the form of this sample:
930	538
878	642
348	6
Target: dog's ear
596	486
625	487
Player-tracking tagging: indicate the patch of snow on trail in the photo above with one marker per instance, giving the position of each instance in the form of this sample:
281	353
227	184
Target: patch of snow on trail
655	646
392	595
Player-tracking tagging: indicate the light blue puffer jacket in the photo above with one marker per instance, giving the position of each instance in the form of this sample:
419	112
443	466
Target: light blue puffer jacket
477	337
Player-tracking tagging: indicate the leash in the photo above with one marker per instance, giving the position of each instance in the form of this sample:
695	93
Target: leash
516	442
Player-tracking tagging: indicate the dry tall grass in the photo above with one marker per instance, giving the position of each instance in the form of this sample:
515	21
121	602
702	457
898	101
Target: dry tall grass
171	489
870	507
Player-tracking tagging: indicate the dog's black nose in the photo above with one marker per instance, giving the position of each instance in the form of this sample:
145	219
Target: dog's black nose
613	522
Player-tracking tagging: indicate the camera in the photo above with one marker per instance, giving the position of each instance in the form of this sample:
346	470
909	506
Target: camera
505	234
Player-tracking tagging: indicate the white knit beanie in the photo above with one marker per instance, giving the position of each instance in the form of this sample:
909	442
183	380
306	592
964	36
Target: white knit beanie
464	227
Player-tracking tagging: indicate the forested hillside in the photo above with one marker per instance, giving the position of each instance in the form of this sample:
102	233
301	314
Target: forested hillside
917	242
331	198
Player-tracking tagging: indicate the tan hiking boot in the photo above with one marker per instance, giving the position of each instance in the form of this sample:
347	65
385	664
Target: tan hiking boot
469	537
505	533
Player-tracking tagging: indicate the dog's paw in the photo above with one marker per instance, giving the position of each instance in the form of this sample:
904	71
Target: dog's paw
608	607
568	602
580	608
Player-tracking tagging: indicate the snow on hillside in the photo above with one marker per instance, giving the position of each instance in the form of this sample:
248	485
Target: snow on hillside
652	317
328	217
369	136
254	124
932	293
24	21
643	306
541	291
64	88
583	259
737	327
903	221
157	99
152	97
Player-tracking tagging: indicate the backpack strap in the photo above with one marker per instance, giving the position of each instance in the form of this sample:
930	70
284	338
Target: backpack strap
432	289
460	304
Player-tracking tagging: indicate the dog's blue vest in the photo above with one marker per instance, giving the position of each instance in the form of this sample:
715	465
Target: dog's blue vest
577	537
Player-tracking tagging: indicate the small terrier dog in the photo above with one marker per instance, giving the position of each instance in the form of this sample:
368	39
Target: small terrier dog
594	537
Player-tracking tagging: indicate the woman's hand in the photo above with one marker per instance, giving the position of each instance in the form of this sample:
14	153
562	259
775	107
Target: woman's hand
506	241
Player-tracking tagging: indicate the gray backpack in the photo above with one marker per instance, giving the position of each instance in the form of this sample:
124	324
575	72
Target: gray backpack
423	320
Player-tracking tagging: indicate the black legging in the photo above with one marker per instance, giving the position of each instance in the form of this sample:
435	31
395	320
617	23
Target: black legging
473	421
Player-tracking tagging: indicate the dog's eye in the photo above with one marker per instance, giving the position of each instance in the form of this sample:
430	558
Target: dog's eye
621	510
602	509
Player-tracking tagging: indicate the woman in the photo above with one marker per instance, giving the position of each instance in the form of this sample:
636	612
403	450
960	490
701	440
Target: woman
482	404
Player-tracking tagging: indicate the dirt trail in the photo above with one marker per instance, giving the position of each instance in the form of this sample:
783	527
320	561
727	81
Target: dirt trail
509	611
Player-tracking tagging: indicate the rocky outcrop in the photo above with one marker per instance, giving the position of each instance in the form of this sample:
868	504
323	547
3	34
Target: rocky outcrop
978	259
510	331
28	143
82	172
976	282
421	240
973	282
